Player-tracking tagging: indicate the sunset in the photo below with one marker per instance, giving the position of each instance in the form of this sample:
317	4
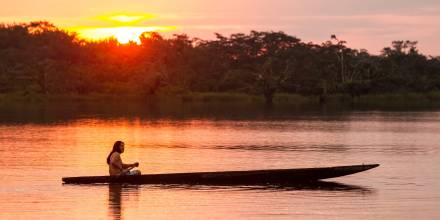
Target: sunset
233	109
363	24
123	34
123	27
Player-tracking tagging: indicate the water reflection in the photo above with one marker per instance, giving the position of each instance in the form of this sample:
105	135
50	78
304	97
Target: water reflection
299	148
202	138
318	186
116	194
60	112
119	194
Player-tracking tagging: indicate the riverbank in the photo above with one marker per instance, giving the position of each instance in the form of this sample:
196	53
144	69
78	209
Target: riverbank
390	99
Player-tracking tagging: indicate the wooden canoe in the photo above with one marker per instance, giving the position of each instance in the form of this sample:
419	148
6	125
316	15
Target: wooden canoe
252	177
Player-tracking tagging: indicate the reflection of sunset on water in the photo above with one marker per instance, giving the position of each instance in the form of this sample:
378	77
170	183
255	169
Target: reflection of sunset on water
36	155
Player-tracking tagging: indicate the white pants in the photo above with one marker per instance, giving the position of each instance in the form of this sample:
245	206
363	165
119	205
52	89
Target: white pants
133	173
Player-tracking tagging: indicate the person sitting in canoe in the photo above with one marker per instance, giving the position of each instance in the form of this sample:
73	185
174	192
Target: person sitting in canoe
114	161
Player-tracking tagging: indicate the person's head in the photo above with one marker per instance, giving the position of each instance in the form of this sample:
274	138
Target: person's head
118	146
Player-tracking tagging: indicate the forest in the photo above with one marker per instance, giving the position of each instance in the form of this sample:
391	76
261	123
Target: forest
39	58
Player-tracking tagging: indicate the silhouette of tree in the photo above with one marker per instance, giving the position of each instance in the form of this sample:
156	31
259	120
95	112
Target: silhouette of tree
38	57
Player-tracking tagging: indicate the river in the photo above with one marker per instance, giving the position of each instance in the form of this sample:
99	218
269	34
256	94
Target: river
39	144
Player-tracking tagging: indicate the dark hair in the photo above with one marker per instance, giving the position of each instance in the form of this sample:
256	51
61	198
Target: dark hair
116	148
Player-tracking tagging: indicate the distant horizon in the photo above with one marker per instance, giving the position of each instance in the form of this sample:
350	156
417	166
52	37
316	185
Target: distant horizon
169	34
370	25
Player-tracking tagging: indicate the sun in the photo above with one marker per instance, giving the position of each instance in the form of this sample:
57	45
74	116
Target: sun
123	34
124	27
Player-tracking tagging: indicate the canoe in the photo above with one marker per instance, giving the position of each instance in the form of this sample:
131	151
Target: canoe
251	177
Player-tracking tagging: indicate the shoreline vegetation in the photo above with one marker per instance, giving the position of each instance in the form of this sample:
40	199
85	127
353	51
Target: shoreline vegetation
373	100
40	62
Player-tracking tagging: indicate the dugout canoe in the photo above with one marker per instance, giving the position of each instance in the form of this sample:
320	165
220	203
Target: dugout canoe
251	177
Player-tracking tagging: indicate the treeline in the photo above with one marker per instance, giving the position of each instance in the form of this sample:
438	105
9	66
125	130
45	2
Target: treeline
38	57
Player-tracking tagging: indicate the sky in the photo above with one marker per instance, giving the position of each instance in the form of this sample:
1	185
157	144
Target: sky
364	24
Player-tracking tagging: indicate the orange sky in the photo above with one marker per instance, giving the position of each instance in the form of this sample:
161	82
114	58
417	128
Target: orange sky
370	24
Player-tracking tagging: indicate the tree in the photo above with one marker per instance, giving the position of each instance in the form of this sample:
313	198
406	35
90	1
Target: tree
270	78
39	57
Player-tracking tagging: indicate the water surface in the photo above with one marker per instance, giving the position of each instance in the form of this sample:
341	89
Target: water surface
41	144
